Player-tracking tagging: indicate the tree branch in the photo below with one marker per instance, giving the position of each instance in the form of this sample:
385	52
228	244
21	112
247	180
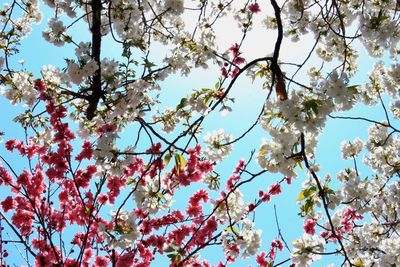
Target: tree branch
95	87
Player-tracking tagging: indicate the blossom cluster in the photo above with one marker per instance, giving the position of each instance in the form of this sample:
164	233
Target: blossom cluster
103	180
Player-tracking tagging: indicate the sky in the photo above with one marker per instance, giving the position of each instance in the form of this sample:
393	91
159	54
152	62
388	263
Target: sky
249	99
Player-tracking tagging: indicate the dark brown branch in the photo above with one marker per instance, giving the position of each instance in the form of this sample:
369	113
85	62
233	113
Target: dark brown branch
277	77
278	42
95	87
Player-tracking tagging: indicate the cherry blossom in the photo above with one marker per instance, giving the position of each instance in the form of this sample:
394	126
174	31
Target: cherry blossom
109	163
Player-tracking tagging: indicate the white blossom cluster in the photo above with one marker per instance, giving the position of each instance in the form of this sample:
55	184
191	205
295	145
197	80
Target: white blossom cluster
218	146
125	14
376	242
379	31
149	195
352	190
306	250
250	240
383	80
247	239
395	109
130	103
285	121
17	21
128	89
22	85
169	120
336	88
233	207
66	6
53	77
175	6
78	74
351	149
21	90
200	101
271	158
22	26
373	240
125	229
56	34
105	152
383	150
377	28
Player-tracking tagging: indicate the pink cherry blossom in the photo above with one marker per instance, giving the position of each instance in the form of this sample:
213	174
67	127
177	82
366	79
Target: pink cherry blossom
309	226
254	8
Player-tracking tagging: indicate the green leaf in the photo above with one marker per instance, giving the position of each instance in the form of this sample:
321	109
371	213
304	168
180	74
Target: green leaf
311	190
130	181
312	105
301	196
232	230
175	257
259	73
217	85
147	64
87	210
160	196
308	206
169	249
177	164
353	89
262	152
191	45
305	193
167	158
178	258
359	263
207	99
180	162
328	191
139	43
182	104
299	164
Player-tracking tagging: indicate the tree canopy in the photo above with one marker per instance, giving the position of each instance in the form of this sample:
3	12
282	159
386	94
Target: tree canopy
116	166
